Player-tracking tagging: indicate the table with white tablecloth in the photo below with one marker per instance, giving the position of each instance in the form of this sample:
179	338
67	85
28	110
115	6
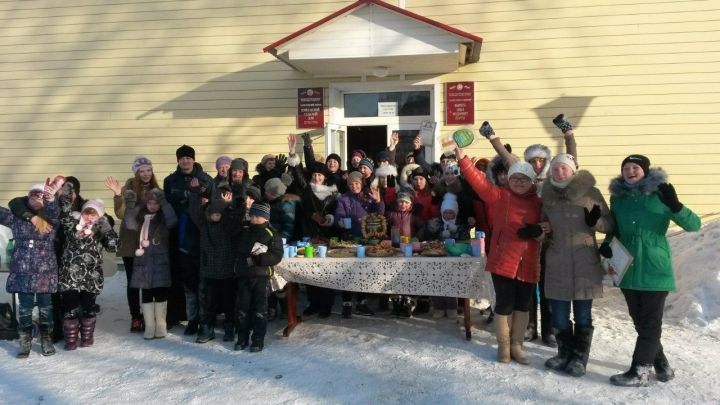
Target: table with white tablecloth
462	277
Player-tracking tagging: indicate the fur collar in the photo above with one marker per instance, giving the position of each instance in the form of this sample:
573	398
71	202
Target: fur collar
387	170
322	191
579	186
648	185
404	178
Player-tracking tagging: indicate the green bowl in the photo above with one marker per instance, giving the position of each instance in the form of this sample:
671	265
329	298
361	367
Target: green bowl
457	249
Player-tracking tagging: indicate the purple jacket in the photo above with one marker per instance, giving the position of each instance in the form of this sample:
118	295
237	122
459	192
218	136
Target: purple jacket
357	207
34	266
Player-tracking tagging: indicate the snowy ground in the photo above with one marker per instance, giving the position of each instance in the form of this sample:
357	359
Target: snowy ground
381	359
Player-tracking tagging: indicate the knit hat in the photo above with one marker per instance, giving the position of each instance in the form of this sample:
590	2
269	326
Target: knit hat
567	159
239	164
222	160
449	203
98	205
405	197
419	171
522	168
354	177
358	152
75	182
185	151
139	163
639	160
254	193
260	209
448	155
276	187
382	155
266	158
319	168
335	157
367	162
37	187
216	206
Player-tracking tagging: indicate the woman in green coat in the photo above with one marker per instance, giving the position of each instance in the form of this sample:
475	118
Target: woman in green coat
643	204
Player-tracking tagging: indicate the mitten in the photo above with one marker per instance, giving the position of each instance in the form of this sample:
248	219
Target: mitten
562	123
669	197
605	250
487	131
592	216
130	198
158	195
307	139
530	231
103	225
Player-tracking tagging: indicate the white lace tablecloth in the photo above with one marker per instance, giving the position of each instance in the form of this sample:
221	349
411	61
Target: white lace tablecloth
463	277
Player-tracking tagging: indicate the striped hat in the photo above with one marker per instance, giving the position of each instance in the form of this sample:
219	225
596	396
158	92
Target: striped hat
260	209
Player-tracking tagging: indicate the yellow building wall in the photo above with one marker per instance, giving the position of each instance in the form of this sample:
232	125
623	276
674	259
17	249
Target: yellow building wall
87	85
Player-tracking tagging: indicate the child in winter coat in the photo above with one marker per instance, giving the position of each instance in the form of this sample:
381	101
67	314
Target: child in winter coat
151	273
33	270
514	259
87	234
260	248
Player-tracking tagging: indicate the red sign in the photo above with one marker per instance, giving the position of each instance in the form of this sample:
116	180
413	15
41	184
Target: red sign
459	103
310	112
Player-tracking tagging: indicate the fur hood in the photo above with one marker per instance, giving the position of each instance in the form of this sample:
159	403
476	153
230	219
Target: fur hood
404	178
581	183
387	170
648	185
497	160
538	150
322	191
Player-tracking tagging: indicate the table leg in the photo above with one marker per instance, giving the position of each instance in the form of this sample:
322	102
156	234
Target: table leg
291	309
468	321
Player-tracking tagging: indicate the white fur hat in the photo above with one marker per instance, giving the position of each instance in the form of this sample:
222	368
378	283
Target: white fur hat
98	205
522	168
449	203
37	187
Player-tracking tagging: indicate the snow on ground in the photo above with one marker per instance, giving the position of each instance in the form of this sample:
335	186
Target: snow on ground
380	359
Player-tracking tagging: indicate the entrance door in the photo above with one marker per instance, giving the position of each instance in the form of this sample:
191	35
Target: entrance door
370	138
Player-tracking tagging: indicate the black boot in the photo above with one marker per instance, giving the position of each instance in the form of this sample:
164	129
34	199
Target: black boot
191	328
46	341
229	334
242	343
206	333
565	349
408	306
637	376
663	371
25	341
257	345
581	351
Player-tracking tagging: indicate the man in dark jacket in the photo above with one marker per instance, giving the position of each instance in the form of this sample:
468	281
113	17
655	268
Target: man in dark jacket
185	238
259	248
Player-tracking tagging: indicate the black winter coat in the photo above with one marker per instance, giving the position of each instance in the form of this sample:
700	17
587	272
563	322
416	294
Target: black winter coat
177	191
216	255
248	265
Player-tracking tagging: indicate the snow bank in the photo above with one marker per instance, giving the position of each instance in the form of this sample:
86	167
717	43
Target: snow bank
696	260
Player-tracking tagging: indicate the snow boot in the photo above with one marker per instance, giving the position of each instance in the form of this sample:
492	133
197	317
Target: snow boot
87	331
191	328
229	328
25	341
257	345
71	329
502	333
517	336
160	319
637	376
663	371
206	333
242	343
46	340
137	324
149	315
565	349
581	351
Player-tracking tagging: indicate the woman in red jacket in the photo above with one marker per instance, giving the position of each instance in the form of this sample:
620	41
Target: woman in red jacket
514	259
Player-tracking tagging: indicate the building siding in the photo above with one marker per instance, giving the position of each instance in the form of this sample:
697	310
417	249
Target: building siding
85	86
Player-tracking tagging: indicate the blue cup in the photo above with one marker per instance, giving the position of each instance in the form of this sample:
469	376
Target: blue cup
347	223
479	234
475	250
449	242
408	250
293	251
360	251
322	251
286	251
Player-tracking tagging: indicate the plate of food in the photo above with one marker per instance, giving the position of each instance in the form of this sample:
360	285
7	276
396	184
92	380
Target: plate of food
341	244
341	253
434	252
382	251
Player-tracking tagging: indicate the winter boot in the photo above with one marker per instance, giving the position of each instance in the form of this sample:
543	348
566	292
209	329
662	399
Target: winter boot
242	343
257	345
502	333
517	336
229	328
25	341
46	340
581	351
565	349
663	371
87	337
136	324
206	333
191	328
637	376
160	319
149	315
71	329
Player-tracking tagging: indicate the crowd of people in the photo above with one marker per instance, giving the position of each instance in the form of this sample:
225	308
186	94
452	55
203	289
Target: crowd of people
203	245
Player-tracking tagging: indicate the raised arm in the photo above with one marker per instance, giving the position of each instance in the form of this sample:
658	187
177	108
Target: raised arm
487	131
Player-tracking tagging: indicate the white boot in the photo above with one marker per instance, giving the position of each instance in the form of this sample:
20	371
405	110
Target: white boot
148	309
160	319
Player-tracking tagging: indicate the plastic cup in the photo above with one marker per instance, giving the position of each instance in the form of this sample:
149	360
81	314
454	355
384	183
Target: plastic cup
360	251
449	242
475	250
286	251
309	251
293	251
347	223
322	250
479	234
407	250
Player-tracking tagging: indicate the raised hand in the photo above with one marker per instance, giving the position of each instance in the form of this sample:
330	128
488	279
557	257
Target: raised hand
226	196
592	216
417	142
374	194
195	185
394	140
158	195
307	140
561	122
113	185
487	131
459	153
605	250
669	197
292	142
281	163
103	225
51	188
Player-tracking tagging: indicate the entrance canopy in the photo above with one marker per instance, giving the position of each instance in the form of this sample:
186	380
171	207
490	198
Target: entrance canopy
371	37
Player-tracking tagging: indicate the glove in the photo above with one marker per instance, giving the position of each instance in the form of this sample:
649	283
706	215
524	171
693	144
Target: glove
130	198
390	181
281	163
592	216
562	123
306	139
103	225
669	197
487	131
529	231
605	250
158	195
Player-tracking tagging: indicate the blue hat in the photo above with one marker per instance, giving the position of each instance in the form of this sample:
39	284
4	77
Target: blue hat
367	162
260	209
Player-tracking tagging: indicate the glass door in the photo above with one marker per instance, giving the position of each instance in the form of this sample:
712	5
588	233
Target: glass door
336	140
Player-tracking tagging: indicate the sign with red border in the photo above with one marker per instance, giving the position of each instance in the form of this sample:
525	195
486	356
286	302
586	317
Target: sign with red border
310	108
460	103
